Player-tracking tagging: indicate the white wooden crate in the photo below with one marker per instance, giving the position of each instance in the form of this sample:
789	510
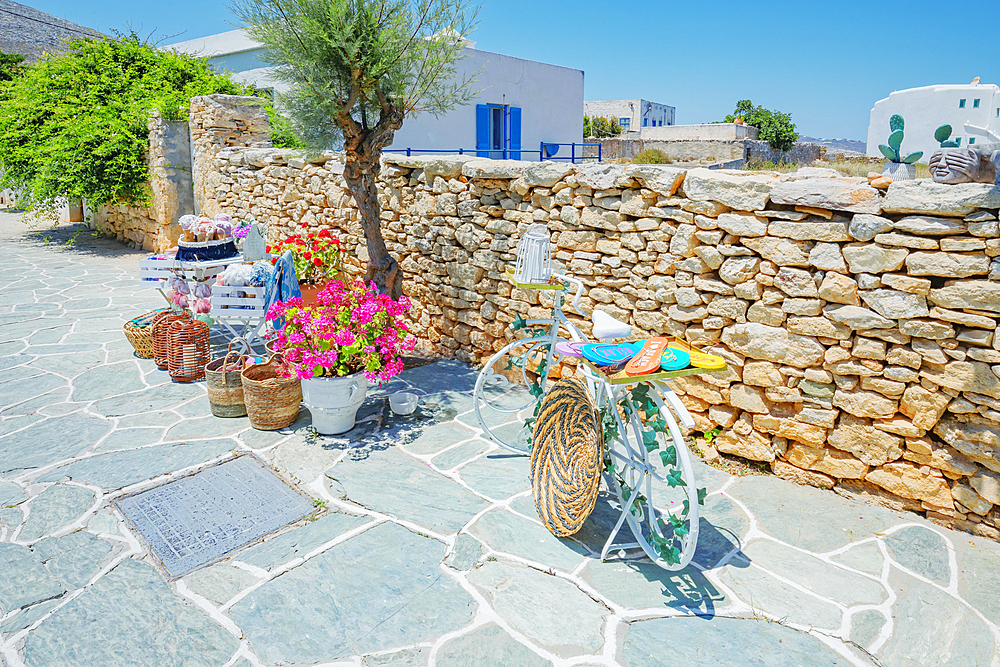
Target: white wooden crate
226	305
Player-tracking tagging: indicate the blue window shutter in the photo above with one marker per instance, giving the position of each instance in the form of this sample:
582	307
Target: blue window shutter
482	130
515	133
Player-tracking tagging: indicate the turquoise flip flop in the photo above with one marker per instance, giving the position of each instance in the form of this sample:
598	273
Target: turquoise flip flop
602	354
674	359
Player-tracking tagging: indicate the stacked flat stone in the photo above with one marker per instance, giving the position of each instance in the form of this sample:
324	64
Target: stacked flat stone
858	325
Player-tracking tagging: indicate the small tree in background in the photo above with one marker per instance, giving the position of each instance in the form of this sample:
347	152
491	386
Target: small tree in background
600	127
776	128
356	69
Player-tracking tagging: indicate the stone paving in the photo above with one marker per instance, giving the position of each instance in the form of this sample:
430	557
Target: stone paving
425	548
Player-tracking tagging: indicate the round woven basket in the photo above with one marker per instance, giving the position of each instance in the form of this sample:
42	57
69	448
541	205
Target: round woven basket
567	456
139	332
225	388
159	334
272	402
187	349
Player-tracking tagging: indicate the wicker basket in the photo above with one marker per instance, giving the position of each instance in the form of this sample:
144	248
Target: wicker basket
140	335
225	388
272	401
187	349
159	334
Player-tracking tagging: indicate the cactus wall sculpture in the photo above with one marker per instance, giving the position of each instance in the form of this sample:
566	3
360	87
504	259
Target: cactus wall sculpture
891	152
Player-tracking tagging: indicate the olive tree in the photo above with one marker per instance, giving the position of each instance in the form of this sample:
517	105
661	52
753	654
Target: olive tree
356	69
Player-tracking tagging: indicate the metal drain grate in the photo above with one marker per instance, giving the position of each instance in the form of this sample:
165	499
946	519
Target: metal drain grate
196	520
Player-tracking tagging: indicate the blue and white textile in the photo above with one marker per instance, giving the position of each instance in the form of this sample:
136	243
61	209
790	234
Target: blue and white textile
283	285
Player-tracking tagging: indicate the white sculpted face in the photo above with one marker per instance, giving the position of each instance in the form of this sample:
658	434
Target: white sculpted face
955	165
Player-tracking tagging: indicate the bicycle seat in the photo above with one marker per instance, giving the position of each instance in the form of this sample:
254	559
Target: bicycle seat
606	326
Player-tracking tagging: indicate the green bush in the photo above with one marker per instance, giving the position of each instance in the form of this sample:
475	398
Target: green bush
75	123
652	156
11	66
600	127
776	128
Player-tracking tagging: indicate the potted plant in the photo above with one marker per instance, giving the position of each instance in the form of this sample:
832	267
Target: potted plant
351	335
897	168
318	259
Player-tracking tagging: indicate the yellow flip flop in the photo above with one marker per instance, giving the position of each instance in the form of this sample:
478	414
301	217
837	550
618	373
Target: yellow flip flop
700	359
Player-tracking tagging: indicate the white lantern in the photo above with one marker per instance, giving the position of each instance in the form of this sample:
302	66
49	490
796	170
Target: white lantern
534	257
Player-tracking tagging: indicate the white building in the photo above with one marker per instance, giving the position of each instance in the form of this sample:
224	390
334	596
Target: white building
521	104
631	114
972	110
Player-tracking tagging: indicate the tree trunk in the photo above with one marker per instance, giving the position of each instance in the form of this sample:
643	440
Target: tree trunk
382	267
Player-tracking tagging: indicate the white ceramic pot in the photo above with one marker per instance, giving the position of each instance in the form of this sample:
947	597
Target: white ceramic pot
899	171
334	402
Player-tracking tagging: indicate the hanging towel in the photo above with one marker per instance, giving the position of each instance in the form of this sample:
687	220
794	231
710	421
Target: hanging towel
283	284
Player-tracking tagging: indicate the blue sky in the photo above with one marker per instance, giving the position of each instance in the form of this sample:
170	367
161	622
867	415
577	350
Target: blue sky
825	62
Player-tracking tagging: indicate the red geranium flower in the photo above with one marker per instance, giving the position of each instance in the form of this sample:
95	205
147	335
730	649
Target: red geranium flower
317	262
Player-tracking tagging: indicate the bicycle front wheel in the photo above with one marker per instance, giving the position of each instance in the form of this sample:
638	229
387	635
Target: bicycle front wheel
508	390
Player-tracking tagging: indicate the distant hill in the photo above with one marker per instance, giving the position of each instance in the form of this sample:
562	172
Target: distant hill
838	144
30	32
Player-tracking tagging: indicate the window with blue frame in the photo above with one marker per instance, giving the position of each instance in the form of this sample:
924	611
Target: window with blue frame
975	104
961	104
626	123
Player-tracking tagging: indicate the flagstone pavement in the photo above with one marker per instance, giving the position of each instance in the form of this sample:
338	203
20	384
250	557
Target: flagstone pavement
425	548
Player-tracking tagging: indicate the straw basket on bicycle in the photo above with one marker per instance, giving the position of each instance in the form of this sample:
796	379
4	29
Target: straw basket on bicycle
602	422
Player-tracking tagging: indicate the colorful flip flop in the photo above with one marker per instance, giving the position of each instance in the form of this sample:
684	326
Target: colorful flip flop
647	360
700	359
674	359
607	355
569	349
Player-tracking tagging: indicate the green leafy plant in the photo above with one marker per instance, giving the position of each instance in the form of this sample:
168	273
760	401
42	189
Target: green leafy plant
75	124
711	434
652	156
600	127
356	69
11	66
942	134
891	151
775	127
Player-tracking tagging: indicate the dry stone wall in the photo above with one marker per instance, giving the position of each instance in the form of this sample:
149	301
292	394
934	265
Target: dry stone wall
858	324
155	227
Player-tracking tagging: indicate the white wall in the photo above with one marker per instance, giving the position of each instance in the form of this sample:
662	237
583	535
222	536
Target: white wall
708	131
550	97
927	108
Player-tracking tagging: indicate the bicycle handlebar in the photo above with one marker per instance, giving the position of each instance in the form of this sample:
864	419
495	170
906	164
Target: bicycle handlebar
579	290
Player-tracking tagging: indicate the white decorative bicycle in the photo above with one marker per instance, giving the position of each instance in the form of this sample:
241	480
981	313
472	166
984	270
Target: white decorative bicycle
636	416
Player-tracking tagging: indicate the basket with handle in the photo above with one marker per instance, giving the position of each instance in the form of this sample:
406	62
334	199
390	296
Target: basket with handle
187	349
139	332
225	386
272	401
159	334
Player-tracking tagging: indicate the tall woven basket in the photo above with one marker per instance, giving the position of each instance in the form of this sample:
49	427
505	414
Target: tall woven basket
225	387
272	401
187	349
159	334
139	332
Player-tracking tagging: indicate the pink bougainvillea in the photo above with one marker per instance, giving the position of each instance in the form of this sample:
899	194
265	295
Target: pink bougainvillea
351	329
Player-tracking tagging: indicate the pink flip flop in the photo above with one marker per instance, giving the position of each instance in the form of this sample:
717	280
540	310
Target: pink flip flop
569	349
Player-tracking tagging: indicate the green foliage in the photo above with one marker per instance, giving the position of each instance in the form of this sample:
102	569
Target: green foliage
282	130
896	122
11	66
776	128
601	127
712	433
652	156
75	123
896	140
